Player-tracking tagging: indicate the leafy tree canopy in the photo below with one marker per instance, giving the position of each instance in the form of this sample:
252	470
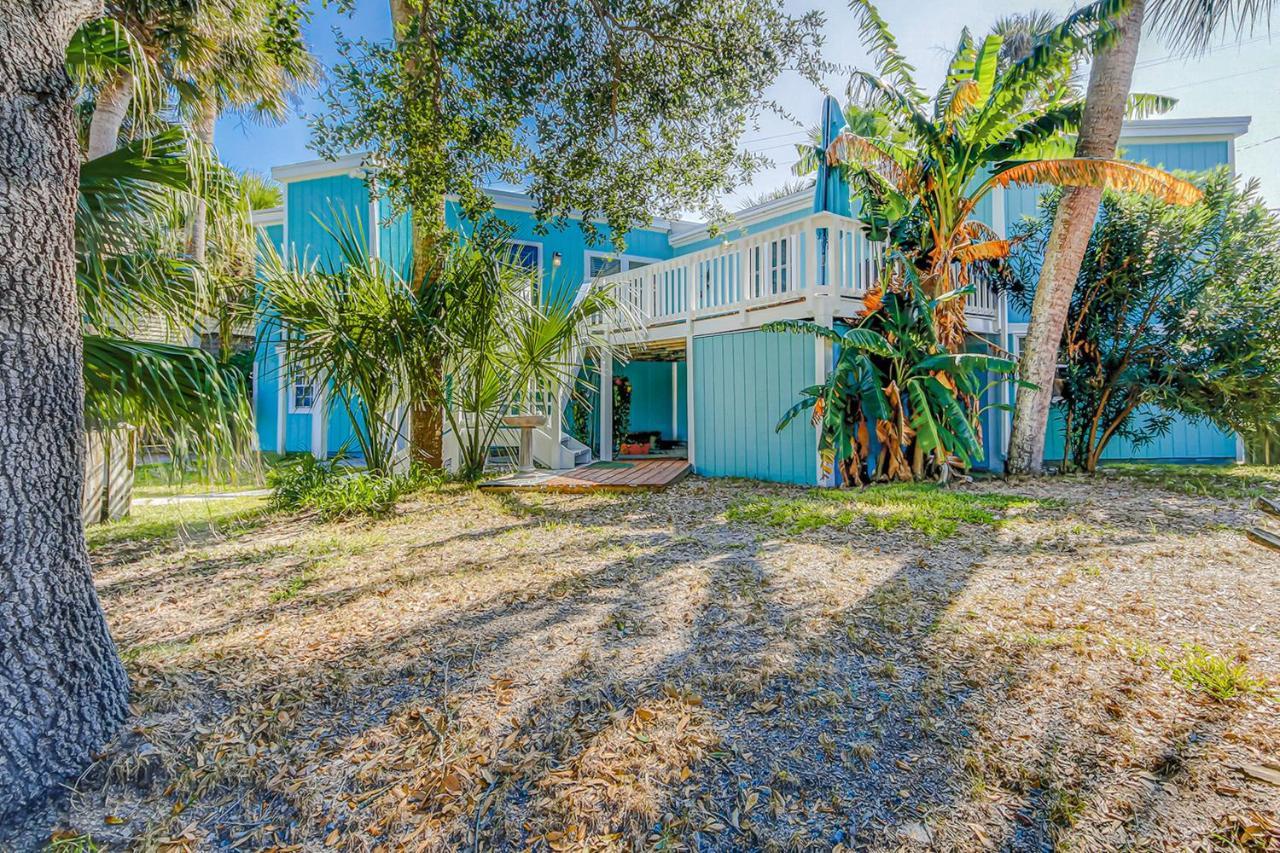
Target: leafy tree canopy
1176	309
620	109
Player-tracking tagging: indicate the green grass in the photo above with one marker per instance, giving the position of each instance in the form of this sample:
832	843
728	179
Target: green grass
1201	671
924	507
162	479
160	523
296	584
1213	481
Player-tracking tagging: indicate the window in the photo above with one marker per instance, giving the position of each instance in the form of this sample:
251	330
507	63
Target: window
302	396
600	264
527	256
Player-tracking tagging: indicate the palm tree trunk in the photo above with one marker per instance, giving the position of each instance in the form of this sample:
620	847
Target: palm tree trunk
1109	81
197	241
109	110
63	690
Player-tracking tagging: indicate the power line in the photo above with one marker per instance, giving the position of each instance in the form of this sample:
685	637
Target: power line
1217	79
1256	144
1173	57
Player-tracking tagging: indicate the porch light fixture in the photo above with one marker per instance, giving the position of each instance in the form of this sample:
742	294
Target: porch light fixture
556	258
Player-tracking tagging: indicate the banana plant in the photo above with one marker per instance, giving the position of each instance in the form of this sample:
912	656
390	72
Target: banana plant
921	165
894	378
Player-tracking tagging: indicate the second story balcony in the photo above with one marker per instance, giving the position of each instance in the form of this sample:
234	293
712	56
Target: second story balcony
818	267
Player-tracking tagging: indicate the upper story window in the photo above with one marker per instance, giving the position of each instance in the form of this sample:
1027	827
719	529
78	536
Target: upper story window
526	256
600	264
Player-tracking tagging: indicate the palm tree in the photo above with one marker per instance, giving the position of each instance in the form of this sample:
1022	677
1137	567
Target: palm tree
129	266
256	63
160	33
1188	24
986	127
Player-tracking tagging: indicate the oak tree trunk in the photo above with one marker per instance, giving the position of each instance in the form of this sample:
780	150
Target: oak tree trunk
109	108
1109	81
63	691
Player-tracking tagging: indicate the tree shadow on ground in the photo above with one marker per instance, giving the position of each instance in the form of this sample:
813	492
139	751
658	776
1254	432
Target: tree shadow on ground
746	704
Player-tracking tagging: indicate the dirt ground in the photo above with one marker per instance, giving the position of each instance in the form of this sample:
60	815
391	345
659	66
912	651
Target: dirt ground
1064	664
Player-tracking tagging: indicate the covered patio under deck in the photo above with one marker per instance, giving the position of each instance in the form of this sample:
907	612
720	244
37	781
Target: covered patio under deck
654	376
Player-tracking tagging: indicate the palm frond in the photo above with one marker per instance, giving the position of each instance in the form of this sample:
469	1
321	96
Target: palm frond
180	393
1192	26
1114	174
802	327
1143	105
883	47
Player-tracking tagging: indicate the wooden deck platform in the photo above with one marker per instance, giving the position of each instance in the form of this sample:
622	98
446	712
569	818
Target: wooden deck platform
639	474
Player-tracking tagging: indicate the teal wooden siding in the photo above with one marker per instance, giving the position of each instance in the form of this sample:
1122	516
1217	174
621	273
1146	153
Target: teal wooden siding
266	391
395	244
1186	441
318	206
651	397
1179	156
743	382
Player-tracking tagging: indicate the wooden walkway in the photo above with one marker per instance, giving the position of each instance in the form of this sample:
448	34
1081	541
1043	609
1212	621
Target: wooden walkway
640	474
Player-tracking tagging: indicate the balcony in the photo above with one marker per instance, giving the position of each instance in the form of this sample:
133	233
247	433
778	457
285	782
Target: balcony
818	267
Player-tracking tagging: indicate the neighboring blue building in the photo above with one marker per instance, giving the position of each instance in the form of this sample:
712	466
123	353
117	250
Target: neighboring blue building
705	379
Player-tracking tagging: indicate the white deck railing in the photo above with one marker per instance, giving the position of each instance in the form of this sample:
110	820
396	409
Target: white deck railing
821	254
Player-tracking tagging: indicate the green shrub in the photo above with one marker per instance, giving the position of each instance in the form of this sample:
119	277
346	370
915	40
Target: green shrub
335	491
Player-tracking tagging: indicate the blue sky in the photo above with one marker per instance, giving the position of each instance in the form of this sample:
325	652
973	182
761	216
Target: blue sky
1234	79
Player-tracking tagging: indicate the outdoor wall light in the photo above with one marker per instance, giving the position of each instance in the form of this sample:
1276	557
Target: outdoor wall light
556	258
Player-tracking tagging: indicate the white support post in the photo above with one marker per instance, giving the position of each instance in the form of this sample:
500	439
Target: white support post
675	400
320	420
690	444
282	401
606	405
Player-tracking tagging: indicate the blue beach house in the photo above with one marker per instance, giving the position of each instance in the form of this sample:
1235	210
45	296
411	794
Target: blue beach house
705	380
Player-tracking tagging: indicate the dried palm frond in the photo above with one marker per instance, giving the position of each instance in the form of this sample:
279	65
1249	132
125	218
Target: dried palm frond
1113	174
989	250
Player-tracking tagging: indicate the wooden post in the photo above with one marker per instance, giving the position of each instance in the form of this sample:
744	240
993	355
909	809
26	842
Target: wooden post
320	420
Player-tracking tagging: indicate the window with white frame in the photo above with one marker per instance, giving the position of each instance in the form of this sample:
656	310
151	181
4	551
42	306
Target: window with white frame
302	396
600	264
527	256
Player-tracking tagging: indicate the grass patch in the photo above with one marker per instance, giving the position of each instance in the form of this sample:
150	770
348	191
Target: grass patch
1202	671
1212	481
924	507
163	523
163	479
297	583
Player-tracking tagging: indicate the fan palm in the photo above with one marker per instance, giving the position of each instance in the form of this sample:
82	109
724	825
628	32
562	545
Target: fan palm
506	349
989	125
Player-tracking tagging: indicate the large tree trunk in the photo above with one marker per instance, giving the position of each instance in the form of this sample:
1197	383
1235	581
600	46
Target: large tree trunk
429	234
63	691
1109	81
109	109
